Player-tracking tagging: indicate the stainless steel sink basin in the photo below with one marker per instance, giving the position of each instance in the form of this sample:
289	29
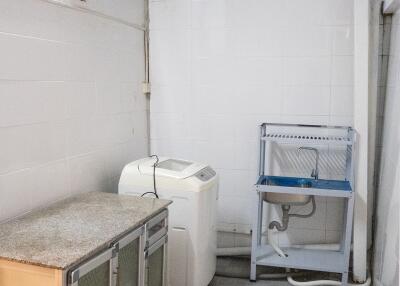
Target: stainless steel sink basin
298	183
293	182
287	199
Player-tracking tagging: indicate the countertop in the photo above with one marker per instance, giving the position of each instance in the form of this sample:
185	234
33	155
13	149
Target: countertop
68	232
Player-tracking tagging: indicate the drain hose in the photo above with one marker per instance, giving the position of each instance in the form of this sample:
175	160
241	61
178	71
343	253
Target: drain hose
273	244
324	282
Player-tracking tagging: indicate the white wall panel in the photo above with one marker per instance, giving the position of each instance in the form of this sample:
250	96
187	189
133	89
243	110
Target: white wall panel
221	67
71	109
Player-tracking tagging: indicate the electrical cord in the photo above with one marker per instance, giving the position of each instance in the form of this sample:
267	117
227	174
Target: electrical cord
154	192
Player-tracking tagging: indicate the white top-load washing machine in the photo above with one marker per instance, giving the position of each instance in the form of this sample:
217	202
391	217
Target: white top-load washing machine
192	236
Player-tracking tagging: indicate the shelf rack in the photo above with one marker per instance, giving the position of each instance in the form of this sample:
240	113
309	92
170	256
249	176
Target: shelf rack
306	139
305	135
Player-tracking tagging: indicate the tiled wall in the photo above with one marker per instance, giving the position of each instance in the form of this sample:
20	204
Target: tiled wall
386	246
71	108
221	67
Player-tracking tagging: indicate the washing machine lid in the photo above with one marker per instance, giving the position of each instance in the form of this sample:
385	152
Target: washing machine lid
169	167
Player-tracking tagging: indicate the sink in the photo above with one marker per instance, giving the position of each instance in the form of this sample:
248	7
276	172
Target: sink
294	182
289	182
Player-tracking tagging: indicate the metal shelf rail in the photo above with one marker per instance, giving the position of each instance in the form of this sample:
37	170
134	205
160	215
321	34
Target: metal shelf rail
307	259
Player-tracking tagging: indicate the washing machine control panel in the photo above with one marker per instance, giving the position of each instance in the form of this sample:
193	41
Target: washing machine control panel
205	174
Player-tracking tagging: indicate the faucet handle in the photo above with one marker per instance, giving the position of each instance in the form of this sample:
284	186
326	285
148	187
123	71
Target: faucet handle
314	174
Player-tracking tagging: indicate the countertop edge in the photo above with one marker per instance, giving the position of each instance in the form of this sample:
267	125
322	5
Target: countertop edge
89	255
86	256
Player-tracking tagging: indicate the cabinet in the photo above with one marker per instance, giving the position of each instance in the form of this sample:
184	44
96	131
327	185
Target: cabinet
17	274
137	259
93	238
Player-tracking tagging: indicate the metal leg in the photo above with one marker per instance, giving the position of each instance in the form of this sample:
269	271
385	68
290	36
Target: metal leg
142	259
347	238
113	280
256	237
259	218
344	227
345	277
165	259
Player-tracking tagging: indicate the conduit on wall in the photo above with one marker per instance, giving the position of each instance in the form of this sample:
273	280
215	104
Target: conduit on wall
361	124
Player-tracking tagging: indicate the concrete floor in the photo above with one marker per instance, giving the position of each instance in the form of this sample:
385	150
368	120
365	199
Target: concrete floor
240	267
223	281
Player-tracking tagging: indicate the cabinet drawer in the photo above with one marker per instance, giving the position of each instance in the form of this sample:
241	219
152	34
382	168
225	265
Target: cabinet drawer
156	228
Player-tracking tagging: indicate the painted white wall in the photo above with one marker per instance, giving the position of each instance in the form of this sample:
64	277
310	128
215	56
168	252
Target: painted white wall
219	68
386	247
71	108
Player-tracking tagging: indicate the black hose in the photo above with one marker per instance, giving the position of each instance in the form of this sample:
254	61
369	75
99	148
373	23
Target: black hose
154	192
306	215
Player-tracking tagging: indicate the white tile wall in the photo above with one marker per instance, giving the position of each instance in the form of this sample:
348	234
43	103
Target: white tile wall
71	108
221	67
386	247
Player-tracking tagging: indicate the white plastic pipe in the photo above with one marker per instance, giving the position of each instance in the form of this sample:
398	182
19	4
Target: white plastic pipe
232	251
324	282
322	246
273	244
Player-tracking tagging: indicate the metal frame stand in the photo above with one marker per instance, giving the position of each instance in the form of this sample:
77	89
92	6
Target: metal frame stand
318	260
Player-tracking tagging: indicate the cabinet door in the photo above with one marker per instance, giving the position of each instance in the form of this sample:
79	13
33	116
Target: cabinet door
155	263
128	264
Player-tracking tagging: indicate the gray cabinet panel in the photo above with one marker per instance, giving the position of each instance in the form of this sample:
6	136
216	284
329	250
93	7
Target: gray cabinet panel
100	276
137	259
155	268
128	264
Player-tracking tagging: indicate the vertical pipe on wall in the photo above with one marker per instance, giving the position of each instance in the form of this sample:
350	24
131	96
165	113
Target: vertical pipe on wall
361	122
146	83
374	17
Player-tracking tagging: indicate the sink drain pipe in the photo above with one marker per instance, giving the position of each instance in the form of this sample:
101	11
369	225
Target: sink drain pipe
236	251
285	223
286	216
232	251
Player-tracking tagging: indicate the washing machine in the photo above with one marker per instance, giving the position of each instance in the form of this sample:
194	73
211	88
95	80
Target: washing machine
192	235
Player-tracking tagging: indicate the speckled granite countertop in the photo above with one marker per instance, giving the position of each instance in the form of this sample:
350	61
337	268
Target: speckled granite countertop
70	231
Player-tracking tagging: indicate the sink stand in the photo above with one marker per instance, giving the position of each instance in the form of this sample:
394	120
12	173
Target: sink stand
307	259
